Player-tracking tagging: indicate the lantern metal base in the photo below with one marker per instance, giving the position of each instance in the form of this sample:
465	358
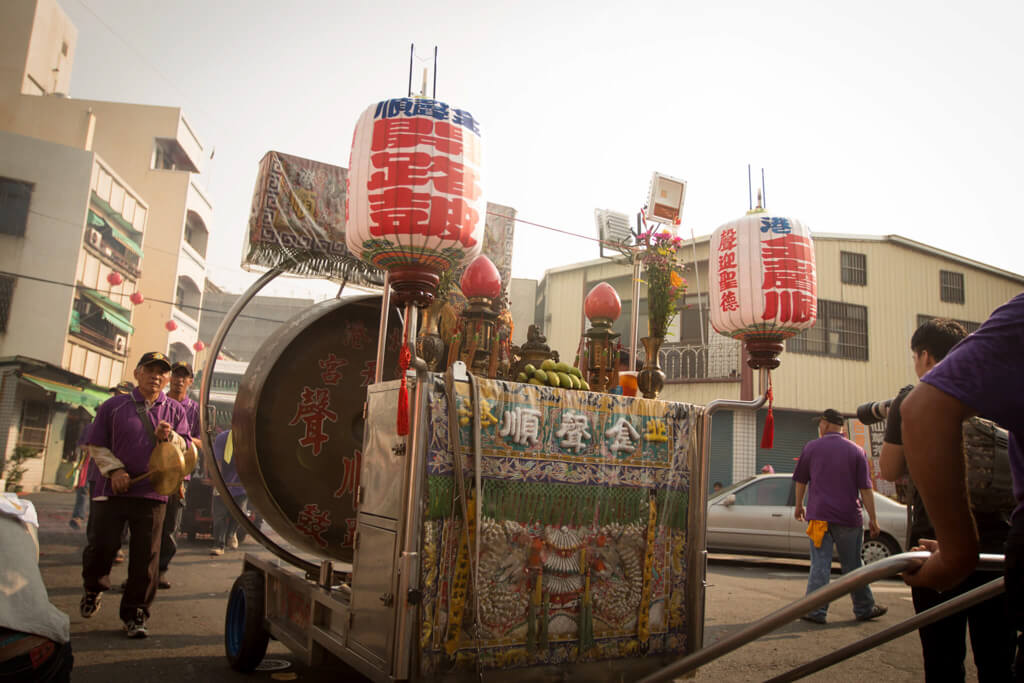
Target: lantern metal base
413	285
764	354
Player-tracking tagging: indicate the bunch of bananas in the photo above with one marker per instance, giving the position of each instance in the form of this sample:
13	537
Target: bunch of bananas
553	374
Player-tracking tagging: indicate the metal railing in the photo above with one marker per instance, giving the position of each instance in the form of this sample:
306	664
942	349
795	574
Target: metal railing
685	362
881	569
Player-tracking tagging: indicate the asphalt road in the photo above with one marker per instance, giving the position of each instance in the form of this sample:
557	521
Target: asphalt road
186	629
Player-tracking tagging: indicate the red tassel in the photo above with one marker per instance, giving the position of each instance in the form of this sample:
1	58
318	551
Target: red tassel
402	421
768	435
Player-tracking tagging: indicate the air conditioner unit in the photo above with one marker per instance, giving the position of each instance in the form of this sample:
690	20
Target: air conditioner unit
95	237
120	343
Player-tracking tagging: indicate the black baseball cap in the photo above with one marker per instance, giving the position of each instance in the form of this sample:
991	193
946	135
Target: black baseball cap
182	365
154	357
830	415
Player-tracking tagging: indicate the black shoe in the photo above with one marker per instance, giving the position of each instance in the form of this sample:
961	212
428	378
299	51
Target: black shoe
876	611
814	619
136	627
90	604
163	582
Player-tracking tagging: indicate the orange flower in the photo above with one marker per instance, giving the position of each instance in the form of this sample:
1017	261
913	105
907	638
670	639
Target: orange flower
676	279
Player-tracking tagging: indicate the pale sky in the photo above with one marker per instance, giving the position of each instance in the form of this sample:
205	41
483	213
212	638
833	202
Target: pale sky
869	118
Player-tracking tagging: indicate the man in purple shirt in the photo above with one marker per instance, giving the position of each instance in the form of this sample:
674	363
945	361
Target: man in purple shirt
121	440
983	375
837	471
181	380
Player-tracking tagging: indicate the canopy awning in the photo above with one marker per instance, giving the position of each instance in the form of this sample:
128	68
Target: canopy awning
89	399
127	236
114	314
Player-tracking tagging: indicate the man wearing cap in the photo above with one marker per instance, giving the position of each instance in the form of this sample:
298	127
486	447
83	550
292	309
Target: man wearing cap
123	435
181	381
836	470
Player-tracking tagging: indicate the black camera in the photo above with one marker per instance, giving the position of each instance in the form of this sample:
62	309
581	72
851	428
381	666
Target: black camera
876	411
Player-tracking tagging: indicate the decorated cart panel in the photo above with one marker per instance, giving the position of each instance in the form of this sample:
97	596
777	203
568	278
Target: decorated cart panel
584	501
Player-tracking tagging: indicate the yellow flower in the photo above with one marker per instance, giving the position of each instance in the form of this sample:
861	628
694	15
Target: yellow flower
676	279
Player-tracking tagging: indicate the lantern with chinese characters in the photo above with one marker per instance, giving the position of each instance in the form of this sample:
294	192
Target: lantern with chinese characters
763	286
602	308
415	203
475	345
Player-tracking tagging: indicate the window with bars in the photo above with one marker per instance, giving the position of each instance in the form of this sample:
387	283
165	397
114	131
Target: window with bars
6	297
853	268
35	423
951	287
15	196
967	325
841	332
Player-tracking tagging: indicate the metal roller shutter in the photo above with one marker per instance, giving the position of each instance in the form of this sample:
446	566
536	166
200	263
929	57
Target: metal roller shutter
721	449
792	431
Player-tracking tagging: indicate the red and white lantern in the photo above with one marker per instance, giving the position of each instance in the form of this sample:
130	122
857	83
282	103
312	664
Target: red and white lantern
763	283
415	204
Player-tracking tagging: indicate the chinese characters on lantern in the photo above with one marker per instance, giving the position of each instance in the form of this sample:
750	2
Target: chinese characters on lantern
788	284
424	171
727	282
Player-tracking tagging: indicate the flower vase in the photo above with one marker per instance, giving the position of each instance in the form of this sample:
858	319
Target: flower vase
429	345
650	379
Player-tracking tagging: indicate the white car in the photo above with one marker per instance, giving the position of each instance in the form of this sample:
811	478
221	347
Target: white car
755	517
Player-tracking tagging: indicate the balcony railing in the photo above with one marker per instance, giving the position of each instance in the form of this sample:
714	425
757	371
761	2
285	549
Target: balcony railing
686	363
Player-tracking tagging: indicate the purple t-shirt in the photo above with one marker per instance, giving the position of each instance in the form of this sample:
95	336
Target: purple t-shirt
835	470
117	426
986	372
192	413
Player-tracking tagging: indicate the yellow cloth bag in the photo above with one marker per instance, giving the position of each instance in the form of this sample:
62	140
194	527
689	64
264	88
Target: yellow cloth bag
816	529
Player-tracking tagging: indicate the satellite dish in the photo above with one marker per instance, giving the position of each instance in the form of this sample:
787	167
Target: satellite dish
612	228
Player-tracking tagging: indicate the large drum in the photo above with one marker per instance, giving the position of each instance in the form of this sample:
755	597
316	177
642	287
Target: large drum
297	428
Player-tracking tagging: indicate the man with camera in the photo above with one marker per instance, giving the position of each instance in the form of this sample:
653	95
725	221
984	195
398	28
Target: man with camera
983	375
943	642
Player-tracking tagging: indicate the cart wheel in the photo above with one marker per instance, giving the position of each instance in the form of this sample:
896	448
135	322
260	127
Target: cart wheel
245	639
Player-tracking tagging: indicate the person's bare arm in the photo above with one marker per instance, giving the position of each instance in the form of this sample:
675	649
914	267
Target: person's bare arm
798	509
868	497
934	455
891	462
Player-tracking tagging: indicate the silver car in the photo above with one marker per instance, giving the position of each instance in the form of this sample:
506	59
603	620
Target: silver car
755	517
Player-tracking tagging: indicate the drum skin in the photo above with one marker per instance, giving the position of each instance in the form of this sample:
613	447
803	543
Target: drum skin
297	427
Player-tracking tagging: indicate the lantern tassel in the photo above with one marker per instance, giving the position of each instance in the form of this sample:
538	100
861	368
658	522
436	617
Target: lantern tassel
402	420
768	435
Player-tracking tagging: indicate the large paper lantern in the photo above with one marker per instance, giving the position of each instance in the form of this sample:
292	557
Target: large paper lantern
763	283
415	204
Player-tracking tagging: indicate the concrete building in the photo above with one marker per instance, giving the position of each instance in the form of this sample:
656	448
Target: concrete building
873	292
87	188
153	149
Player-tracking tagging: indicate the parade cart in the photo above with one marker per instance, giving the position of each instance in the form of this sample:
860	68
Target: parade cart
462	522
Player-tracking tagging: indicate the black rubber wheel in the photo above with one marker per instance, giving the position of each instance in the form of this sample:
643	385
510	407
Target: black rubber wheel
245	639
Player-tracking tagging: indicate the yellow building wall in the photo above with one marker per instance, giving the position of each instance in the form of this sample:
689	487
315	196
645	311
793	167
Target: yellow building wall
902	282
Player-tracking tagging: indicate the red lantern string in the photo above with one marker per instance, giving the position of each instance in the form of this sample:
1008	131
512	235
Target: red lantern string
402	421
768	435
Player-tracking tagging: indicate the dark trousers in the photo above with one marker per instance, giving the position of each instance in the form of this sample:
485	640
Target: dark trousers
145	519
943	643
1014	576
172	517
224	523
